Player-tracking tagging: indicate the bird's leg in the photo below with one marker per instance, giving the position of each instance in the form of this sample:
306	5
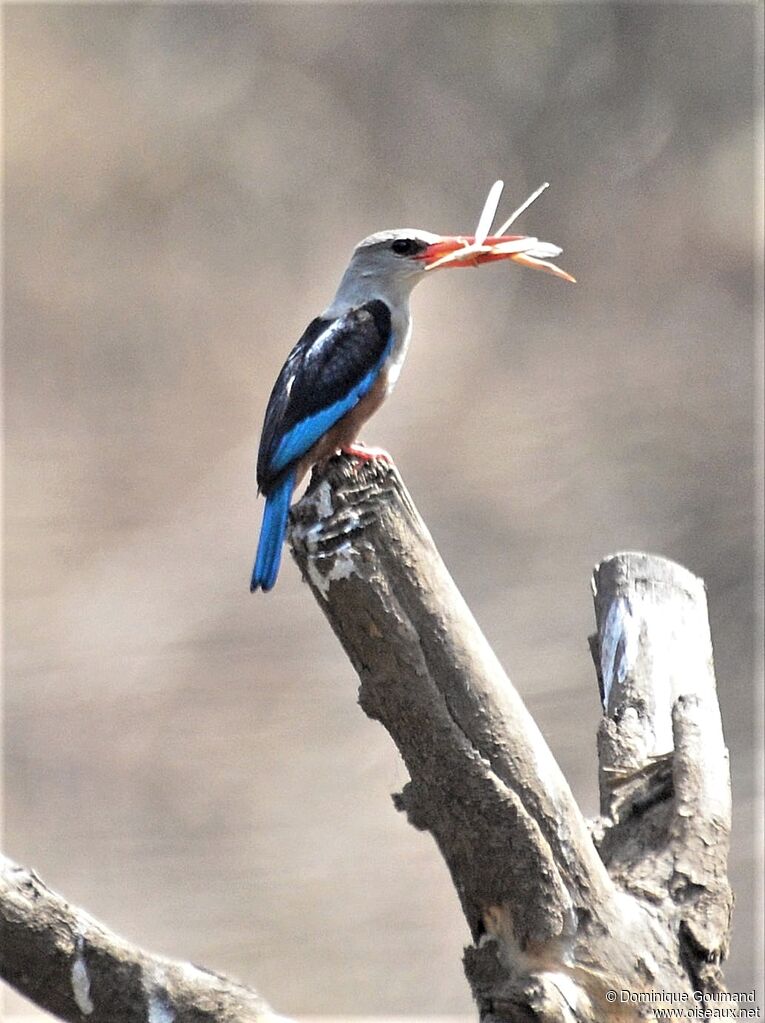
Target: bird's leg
366	454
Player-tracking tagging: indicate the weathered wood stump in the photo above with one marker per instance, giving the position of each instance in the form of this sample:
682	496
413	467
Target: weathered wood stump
571	922
561	915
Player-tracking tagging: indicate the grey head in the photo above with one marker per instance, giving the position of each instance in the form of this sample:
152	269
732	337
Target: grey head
386	265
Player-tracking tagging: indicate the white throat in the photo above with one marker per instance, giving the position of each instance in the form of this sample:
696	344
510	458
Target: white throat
356	288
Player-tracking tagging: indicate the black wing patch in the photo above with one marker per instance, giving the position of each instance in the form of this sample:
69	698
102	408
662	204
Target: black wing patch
327	372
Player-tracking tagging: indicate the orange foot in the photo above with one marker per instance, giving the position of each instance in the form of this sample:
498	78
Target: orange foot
365	454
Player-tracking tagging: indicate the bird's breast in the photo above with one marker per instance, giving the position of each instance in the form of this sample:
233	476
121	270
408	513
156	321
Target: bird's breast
402	332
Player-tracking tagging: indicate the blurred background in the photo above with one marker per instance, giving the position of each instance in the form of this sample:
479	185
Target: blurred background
184	186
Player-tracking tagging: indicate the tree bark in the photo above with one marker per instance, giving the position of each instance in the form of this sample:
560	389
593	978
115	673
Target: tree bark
664	768
570	923
72	966
556	925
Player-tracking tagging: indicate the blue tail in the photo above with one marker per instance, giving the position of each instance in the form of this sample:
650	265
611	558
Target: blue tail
272	533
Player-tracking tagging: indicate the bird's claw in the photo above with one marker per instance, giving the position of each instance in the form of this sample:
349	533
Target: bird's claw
366	454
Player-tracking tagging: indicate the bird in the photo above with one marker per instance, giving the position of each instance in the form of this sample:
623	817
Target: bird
349	358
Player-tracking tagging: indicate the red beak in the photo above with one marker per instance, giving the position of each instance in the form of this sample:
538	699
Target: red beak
517	247
449	245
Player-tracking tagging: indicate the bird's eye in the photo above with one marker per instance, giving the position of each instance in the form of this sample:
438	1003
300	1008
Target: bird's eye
405	246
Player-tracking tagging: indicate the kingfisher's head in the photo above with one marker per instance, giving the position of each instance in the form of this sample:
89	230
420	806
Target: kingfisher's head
400	255
388	264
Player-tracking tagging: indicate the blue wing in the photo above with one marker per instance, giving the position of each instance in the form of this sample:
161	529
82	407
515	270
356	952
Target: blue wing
330	369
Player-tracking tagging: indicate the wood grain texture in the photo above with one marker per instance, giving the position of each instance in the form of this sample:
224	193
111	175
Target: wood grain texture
66	962
555	924
565	917
664	766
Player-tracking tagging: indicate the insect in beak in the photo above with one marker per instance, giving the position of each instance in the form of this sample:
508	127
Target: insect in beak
482	247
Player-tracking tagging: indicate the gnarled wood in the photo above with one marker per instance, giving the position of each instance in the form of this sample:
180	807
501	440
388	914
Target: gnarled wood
553	931
69	964
664	770
566	929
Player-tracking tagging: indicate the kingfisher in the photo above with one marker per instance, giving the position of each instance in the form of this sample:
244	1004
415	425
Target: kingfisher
348	359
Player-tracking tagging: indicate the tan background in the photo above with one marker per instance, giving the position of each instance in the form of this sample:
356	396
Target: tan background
184	185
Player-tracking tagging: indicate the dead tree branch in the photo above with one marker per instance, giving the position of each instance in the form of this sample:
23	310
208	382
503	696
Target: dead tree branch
566	920
664	771
555	926
70	965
